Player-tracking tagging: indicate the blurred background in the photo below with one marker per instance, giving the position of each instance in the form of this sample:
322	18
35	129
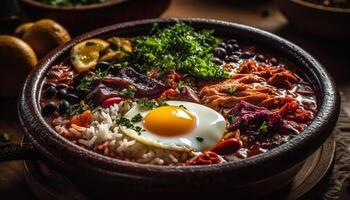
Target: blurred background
321	27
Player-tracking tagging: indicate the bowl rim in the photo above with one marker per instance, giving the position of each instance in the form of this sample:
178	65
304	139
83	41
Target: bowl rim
328	107
321	7
103	5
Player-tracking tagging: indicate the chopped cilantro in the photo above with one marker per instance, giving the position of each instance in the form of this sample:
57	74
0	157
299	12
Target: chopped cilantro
263	128
137	118
150	104
79	108
128	92
178	47
162	103
128	124
182	84
199	139
86	83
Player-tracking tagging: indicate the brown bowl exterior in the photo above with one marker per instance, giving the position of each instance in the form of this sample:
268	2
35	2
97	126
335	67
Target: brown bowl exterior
86	18
97	169
329	22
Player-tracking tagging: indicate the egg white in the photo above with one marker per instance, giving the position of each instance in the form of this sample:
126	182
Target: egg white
210	125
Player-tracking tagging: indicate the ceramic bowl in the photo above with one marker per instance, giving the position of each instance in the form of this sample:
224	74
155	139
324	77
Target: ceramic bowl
80	19
105	176
316	19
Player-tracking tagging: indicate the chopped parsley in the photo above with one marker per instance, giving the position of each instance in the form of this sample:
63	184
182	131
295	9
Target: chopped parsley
137	118
199	139
150	104
128	124
128	92
79	108
231	89
86	83
162	103
263	129
182	84
178	47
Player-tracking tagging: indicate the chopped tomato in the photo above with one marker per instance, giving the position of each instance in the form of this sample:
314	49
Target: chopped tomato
303	116
207	158
228	146
83	120
110	101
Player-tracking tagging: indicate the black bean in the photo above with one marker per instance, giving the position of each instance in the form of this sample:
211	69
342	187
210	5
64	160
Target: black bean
61	93
260	58
229	49
246	55
220	52
223	45
217	61
237	53
235	47
63	107
71	90
49	109
61	86
46	85
50	91
274	61
102	66
232	58
72	98
231	41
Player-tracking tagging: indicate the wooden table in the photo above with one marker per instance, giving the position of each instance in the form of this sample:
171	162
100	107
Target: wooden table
262	14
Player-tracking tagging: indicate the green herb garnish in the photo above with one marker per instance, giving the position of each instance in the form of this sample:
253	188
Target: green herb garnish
263	128
162	103
86	83
128	92
150	104
178	47
182	84
199	139
137	118
79	108
128	124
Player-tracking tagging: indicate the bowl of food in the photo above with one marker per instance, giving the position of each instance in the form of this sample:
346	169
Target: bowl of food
319	17
177	106
80	16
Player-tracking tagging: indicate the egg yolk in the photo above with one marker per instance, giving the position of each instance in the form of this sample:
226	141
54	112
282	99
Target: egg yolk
169	121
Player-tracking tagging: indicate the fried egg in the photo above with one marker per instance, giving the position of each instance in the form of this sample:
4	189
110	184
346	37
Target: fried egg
179	126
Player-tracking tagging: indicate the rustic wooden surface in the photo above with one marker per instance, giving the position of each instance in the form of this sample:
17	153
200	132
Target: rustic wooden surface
260	13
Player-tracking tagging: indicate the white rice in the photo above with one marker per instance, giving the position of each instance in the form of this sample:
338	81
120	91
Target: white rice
103	136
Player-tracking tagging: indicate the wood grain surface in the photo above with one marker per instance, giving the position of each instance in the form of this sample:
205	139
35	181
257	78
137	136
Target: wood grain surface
260	13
